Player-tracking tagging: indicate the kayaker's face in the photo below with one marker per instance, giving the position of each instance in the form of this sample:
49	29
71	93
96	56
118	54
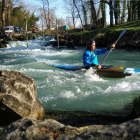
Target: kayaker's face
93	47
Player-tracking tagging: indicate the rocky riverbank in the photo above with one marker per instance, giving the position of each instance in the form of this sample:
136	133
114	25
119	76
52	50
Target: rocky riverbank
130	40
16	37
49	129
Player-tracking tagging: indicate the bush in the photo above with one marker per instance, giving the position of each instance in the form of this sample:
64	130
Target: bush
136	106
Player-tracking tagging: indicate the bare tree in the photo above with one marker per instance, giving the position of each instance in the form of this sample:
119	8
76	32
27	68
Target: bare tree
84	11
3	16
41	16
44	12
93	12
69	5
79	14
48	14
110	3
61	21
68	21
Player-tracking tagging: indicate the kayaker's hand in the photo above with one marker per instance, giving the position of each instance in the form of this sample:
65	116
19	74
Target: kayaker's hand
98	67
112	46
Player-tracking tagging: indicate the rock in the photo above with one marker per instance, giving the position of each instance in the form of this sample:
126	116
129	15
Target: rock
48	129
3	44
18	97
132	42
22	37
34	36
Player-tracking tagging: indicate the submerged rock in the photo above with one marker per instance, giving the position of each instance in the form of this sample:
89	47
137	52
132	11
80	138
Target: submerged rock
18	97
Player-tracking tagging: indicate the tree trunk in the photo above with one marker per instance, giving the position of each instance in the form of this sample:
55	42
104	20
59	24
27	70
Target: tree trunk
3	16
93	13
128	6
110	3
84	12
73	15
124	11
131	10
103	14
117	11
139	9
48	14
111	12
44	12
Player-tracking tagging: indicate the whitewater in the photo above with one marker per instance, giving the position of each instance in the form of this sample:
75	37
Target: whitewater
81	90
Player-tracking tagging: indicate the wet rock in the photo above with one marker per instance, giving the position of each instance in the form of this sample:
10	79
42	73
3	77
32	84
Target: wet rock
50	129
18	97
3	44
22	37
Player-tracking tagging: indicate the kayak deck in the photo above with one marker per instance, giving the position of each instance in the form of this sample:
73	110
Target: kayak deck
108	71
114	72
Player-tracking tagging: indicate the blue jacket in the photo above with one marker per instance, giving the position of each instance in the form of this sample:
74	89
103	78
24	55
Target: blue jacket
91	57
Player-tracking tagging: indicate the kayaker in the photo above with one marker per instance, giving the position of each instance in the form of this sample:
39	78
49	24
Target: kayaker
70	44
90	55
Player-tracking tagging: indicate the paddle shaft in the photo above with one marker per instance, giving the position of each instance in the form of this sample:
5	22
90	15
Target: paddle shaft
122	33
108	53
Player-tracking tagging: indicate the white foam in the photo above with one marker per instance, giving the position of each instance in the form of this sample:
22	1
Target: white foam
123	86
91	76
64	94
34	70
67	94
46	99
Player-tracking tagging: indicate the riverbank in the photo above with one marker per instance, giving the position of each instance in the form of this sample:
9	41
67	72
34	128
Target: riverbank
50	129
102	36
79	118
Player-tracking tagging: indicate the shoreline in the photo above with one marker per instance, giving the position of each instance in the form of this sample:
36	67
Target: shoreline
84	118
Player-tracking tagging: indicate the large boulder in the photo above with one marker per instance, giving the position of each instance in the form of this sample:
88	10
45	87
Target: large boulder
18	97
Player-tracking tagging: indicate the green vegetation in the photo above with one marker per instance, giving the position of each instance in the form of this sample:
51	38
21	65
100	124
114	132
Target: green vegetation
108	34
136	106
102	36
15	15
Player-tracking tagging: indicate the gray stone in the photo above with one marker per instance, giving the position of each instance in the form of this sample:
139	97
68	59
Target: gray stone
18	96
48	129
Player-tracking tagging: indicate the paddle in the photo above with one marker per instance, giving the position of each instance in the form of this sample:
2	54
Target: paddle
122	33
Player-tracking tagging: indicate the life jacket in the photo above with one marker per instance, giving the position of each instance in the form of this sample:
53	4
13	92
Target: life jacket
91	57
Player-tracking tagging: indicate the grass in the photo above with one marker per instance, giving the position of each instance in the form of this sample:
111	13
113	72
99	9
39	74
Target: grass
107	34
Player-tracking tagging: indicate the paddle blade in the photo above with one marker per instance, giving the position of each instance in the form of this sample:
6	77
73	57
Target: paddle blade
122	33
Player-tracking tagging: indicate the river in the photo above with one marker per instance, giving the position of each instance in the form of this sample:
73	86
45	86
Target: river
59	89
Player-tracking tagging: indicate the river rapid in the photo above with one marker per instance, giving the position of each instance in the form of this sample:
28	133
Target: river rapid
63	90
